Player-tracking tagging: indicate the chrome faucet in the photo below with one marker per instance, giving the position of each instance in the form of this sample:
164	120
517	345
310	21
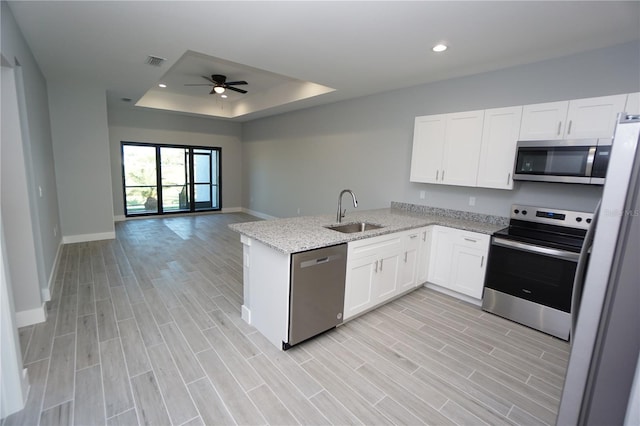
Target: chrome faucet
340	212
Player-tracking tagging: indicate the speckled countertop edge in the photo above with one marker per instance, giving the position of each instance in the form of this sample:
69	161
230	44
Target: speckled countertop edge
291	235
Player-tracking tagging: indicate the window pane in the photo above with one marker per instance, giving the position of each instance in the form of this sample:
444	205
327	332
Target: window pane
201	168
139	165
173	164
141	200
214	169
202	193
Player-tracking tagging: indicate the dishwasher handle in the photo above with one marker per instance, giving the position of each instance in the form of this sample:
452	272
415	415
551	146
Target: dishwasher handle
320	260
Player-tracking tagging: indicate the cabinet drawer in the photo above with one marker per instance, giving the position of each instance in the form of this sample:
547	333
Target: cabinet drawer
375	246
472	239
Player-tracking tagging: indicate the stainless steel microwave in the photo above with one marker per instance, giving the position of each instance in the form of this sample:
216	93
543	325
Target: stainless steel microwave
566	161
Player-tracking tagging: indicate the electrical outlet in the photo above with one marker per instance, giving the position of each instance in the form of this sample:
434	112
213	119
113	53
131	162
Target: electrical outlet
472	201
423	194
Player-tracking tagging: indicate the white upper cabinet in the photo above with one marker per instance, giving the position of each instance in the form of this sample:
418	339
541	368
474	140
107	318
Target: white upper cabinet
428	147
499	138
576	119
594	117
463	136
446	148
543	121
633	104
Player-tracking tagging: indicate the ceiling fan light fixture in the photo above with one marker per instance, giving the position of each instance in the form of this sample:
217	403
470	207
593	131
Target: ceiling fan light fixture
162	85
218	89
224	96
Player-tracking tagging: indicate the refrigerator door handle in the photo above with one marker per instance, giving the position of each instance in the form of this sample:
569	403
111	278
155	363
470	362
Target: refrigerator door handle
581	270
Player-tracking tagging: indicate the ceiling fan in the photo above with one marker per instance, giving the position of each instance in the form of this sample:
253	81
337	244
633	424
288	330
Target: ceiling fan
220	84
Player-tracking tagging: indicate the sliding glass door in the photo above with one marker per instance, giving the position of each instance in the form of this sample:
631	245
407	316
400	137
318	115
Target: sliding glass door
157	178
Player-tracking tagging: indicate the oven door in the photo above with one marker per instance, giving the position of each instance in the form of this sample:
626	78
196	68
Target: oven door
542	275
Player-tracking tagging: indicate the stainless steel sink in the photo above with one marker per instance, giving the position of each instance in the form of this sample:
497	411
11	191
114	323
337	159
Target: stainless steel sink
350	228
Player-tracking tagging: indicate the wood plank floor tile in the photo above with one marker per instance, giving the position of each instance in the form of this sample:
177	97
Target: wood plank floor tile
121	303
115	379
30	414
128	418
147	325
61	371
41	340
67	315
60	415
86	304
107	328
176	397
211	407
89	399
271	407
333	410
184	358
133	347
236	400
149	403
87	350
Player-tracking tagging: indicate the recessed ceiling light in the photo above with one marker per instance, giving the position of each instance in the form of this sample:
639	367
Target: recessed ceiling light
162	85
439	48
224	96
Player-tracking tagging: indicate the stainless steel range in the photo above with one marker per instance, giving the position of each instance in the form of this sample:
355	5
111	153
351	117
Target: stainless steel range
532	265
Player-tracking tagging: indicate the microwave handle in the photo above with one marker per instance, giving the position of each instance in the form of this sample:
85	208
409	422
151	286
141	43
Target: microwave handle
590	157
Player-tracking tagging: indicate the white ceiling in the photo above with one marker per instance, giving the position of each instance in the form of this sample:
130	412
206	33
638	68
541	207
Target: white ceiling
357	48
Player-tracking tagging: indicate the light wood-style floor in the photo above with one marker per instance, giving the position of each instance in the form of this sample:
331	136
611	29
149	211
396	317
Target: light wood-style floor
146	329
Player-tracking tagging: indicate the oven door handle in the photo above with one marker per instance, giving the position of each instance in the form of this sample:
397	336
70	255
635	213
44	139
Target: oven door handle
531	248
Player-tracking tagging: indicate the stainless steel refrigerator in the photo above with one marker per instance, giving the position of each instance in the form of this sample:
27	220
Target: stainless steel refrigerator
601	385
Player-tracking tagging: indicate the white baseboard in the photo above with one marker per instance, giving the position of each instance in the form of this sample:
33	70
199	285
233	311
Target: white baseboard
119	218
31	316
258	214
83	238
48	291
231	209
246	314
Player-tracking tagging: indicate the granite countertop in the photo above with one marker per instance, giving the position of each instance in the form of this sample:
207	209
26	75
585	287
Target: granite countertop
297	234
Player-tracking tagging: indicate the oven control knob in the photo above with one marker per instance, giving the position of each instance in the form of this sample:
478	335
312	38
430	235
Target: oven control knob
578	219
588	220
516	211
524	212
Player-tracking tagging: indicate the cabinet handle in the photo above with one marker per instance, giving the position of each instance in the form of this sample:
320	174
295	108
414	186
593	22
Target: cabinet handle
443	175
413	236
569	129
559	126
482	261
471	240
424	236
437	173
381	260
508	178
376	271
405	257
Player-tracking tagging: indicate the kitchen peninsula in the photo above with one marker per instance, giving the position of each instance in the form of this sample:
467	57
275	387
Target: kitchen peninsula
413	244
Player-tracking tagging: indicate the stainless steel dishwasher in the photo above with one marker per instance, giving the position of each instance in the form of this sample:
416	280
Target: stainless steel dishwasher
317	292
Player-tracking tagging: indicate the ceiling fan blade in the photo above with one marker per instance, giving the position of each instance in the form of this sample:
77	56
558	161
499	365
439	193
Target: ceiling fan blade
236	83
204	84
209	79
218	78
236	89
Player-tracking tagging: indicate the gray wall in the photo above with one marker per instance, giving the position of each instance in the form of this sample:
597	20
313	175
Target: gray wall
81	151
301	160
37	161
142	125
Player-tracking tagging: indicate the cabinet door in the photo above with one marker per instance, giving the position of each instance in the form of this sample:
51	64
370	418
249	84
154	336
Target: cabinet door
633	104
463	137
468	264
440	262
468	269
428	145
593	117
407	276
543	121
424	255
497	154
358	294
385	280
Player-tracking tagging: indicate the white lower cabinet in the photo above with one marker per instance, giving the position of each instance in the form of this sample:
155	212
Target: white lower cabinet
459	260
372	272
424	254
409	260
